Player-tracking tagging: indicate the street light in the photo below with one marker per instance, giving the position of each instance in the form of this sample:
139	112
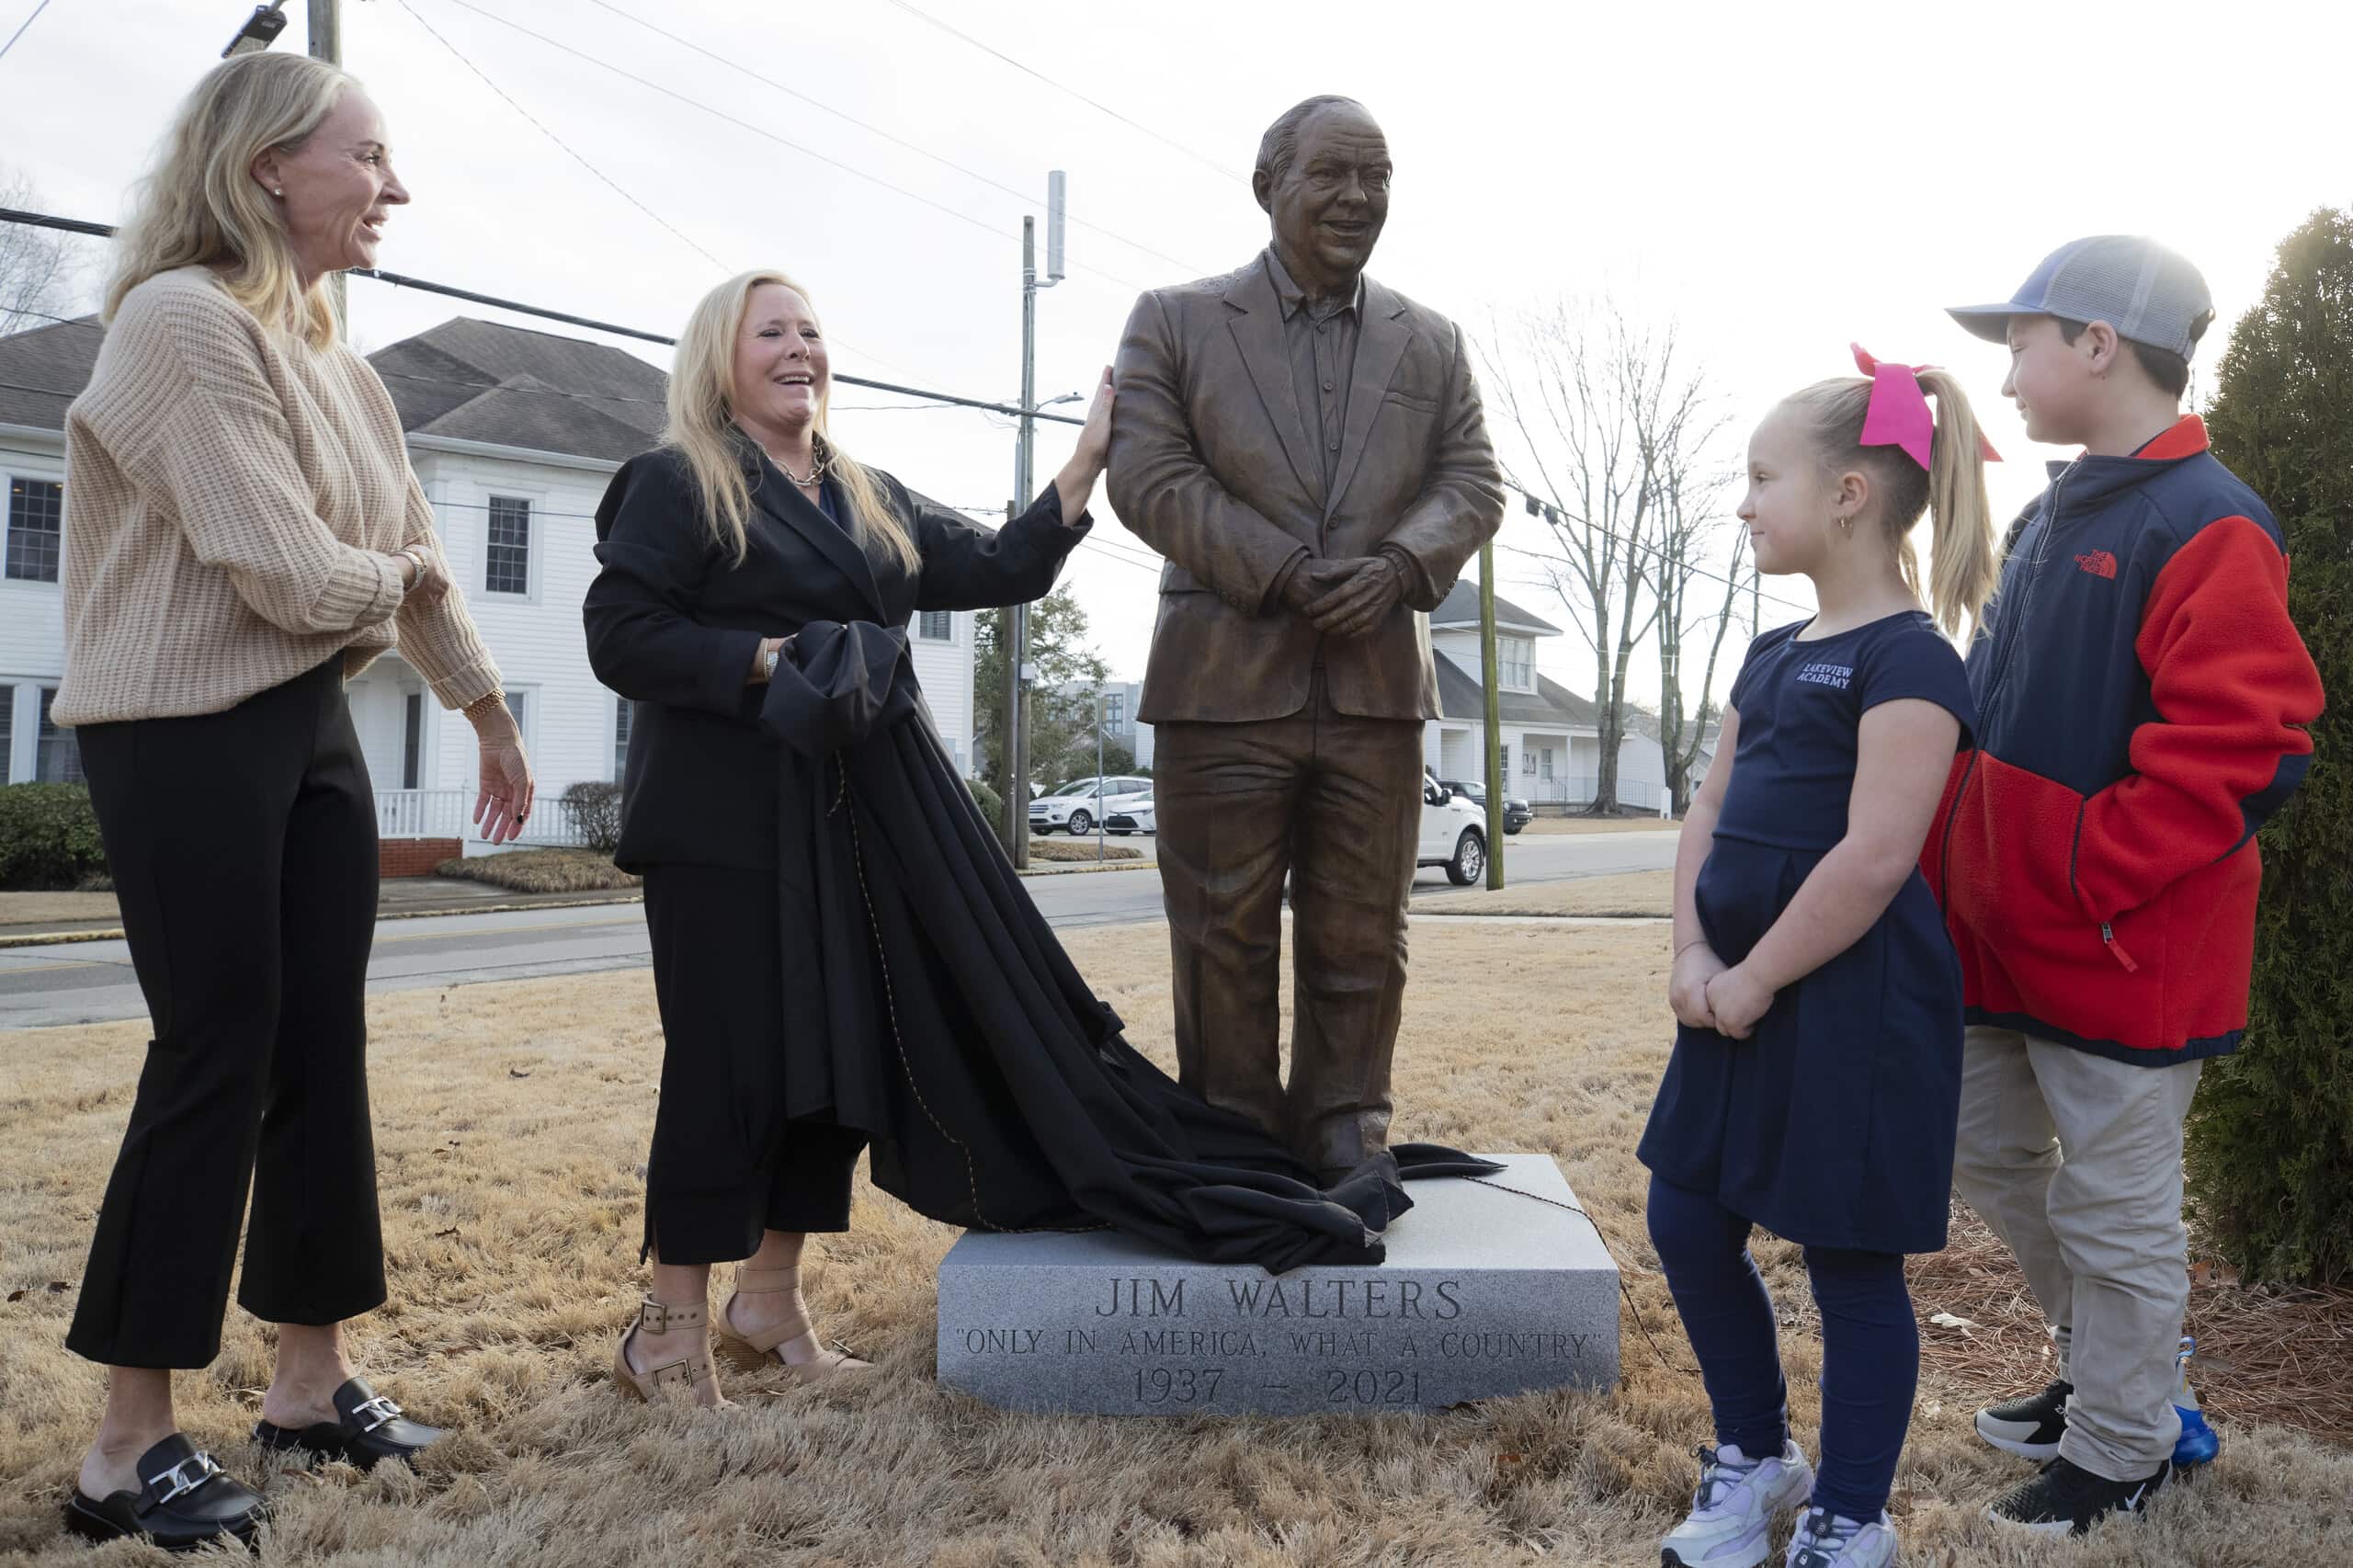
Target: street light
261	30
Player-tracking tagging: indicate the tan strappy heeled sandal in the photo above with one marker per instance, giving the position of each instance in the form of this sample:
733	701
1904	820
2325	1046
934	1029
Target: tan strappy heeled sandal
760	1349
691	1375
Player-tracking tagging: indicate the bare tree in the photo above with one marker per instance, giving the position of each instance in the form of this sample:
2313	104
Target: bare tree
1601	406
36	267
1682	573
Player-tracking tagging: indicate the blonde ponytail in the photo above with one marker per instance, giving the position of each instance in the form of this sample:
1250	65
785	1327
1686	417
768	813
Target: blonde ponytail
1962	566
1960	520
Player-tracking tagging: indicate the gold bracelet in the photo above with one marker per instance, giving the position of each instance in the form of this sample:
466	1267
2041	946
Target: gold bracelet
481	705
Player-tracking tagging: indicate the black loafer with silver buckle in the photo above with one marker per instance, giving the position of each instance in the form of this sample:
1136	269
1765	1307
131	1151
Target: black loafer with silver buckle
371	1428
184	1501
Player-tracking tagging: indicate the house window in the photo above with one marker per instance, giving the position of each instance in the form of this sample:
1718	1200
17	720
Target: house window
520	704
7	732
35	507
57	755
623	712
1516	658
1545	768
1527	761
413	741
510	546
1115	712
936	625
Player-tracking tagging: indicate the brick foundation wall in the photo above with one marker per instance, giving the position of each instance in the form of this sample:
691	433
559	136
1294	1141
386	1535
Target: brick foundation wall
415	857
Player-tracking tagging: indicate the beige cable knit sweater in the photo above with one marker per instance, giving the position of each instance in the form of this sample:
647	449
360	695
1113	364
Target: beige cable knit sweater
232	501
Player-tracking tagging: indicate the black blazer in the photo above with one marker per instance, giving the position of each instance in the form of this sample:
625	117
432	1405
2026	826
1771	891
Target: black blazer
672	627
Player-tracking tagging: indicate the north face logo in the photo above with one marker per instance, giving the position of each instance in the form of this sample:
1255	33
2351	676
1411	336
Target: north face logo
2099	564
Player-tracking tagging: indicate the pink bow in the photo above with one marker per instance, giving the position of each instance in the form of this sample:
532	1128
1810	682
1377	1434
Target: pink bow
1899	414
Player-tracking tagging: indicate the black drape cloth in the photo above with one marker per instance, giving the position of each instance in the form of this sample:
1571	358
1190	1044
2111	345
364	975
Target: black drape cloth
1003	1096
916	996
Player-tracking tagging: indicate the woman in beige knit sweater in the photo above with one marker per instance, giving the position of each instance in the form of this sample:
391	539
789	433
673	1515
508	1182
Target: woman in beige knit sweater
242	533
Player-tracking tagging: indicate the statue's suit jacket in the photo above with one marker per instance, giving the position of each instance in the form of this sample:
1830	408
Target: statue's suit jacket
1214	465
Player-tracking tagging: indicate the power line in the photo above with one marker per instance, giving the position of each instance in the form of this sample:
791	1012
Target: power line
1201	158
1695	571
894	140
582	159
27	22
575	154
851	169
103	230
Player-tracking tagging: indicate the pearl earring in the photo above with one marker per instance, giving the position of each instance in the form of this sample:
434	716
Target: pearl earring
278	191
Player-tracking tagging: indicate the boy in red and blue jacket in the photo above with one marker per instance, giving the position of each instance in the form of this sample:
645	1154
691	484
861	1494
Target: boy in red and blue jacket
2140	695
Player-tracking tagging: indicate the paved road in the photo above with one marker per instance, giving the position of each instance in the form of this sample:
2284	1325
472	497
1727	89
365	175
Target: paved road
89	982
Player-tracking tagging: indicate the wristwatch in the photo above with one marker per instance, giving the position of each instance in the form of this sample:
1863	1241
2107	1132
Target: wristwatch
769	661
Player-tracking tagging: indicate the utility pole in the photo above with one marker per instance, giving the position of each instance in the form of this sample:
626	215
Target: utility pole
1490	678
1100	793
326	43
1016	624
1012	773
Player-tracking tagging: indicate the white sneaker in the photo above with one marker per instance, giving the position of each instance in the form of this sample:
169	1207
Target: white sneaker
1826	1539
1733	1512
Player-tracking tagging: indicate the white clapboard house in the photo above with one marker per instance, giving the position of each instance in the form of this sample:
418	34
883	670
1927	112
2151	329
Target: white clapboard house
514	434
1551	742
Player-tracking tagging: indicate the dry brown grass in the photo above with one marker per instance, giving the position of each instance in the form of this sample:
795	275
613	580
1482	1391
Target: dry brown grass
1551	826
511	1220
1623	893
540	870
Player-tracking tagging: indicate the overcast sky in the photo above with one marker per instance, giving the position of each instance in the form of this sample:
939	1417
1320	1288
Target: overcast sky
1780	181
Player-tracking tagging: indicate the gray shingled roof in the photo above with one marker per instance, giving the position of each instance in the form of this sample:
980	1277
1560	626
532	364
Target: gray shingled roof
508	386
471	380
44	369
1551	703
1461	607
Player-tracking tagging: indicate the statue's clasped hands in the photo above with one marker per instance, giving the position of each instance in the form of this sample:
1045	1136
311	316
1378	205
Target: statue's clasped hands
1347	598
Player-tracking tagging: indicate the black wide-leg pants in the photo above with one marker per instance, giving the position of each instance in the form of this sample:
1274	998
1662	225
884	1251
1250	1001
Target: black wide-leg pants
242	847
727	1162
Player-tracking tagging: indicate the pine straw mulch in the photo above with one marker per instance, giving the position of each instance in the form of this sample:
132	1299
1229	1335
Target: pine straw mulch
540	870
2264	1353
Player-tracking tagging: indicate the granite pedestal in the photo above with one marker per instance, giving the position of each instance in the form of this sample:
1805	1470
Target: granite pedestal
1485	1292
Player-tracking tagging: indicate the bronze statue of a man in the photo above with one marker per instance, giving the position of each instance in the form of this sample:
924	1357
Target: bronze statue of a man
1307	448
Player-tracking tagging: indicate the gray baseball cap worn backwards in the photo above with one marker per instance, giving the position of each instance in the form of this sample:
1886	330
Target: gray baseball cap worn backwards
2146	292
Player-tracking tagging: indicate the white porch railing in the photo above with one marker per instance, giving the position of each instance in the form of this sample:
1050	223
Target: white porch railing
448	814
1572	793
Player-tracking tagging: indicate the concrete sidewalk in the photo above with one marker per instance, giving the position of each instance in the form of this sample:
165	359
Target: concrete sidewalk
37	919
23	923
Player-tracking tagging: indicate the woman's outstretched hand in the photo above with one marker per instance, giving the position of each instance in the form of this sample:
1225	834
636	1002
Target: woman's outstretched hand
1076	480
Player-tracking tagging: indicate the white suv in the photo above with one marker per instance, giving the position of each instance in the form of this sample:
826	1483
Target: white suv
1454	833
1078	805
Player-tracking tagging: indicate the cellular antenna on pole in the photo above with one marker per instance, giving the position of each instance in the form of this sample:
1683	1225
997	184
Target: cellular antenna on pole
1054	203
1018	672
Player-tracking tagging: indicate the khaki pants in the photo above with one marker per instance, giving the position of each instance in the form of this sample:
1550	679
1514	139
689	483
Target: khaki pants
2074	1160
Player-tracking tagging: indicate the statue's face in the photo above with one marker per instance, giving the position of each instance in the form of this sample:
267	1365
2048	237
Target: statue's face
1329	204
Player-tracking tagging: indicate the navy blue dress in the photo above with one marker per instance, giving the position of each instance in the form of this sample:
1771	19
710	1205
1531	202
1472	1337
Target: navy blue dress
1832	1125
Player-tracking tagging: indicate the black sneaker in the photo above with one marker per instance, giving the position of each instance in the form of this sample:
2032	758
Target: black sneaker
2030	1425
2067	1499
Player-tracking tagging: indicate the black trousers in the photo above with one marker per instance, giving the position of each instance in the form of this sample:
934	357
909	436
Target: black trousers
242	847
726	1163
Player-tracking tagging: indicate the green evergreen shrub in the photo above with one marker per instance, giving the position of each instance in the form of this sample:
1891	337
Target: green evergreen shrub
2270	1156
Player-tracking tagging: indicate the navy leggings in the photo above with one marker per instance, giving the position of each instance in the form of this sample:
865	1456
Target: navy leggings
1871	1345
